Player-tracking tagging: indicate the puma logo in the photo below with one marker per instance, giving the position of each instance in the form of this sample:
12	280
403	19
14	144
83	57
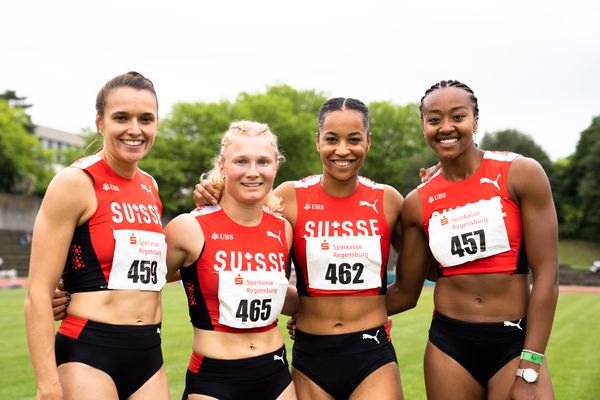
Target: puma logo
510	323
374	337
148	189
271	234
493	182
366	203
280	358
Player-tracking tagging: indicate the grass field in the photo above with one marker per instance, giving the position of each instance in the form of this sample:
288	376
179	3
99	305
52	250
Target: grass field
572	353
578	254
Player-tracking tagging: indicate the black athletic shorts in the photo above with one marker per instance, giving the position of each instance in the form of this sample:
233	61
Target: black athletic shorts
130	354
339	363
262	377
481	348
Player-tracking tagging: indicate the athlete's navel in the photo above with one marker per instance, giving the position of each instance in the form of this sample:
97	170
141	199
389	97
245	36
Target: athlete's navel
478	299
252	347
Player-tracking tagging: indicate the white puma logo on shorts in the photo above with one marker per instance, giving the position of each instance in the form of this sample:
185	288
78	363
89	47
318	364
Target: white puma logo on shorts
374	337
280	358
510	323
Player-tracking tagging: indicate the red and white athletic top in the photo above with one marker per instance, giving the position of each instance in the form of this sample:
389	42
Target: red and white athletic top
341	245
474	227
238	283
122	246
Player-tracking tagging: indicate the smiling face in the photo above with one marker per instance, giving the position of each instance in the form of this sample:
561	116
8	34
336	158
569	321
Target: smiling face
343	142
129	126
449	122
249	166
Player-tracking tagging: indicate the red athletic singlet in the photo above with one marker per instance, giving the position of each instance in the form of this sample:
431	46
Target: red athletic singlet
341	245
474	227
238	283
122	246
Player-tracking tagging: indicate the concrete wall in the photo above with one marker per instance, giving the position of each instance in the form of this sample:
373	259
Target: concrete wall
17	213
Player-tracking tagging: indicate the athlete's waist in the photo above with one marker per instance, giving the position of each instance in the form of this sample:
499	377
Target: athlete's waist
233	346
336	315
121	307
482	298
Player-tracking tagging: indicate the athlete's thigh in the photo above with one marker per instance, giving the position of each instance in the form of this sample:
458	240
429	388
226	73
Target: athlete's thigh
502	381
306	389
155	388
446	379
289	393
83	382
382	384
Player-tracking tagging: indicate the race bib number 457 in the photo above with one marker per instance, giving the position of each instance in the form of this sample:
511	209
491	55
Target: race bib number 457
468	233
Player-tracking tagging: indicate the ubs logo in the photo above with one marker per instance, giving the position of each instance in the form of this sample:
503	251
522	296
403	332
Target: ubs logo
319	207
437	197
221	236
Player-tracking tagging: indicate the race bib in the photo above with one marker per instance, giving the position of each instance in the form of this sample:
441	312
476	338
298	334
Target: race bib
344	262
250	299
139	261
468	233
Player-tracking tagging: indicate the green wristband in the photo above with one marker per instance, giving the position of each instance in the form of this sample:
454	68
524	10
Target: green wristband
535	358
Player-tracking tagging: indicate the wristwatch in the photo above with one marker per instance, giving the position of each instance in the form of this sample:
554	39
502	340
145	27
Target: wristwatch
528	374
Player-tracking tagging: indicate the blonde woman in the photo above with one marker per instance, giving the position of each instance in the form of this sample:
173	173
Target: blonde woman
232	257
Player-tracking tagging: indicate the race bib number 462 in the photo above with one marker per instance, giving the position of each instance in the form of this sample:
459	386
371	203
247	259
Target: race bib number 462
344	262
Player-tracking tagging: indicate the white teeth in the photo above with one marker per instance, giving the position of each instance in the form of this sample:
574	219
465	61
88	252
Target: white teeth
132	142
448	141
251	184
341	163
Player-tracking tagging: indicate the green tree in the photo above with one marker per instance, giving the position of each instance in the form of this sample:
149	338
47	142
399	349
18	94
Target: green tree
24	164
189	138
19	102
398	148
513	140
581	186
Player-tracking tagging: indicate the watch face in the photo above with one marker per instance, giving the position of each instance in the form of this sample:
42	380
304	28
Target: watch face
530	375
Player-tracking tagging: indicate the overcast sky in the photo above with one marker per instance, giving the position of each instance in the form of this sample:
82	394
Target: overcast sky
533	64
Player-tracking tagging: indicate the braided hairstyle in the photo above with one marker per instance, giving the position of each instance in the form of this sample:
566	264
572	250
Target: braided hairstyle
343	103
452	83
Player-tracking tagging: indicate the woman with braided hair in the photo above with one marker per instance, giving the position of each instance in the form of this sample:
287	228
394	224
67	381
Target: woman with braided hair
485	218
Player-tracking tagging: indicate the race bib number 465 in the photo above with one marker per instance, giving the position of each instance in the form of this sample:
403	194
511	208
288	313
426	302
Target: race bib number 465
139	261
251	299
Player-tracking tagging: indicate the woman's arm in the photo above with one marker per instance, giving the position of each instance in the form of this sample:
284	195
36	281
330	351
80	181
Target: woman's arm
69	201
185	240
414	259
290	306
529	185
